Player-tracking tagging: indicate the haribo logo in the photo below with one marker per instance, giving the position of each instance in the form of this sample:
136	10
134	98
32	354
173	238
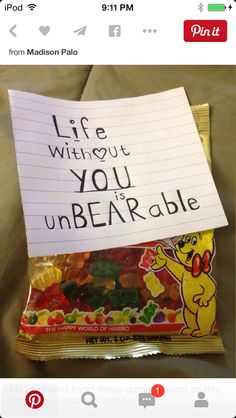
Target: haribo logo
34	399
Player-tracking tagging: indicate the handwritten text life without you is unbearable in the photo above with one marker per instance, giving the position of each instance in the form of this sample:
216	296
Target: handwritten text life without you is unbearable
116	179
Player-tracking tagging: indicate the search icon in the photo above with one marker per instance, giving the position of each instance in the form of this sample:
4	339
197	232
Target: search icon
88	398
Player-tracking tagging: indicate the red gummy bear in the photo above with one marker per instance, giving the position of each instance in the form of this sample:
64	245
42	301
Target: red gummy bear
147	258
52	298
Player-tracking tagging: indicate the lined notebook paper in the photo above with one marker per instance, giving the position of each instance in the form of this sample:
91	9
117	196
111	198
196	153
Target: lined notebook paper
103	174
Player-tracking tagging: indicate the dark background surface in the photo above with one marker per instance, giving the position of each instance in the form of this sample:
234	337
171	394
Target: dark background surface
215	85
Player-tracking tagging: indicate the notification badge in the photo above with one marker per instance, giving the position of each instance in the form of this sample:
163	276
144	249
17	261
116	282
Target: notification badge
34	399
158	391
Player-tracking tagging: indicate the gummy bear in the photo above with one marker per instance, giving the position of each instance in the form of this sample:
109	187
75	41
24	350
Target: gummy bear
148	313
46	278
103	268
128	280
147	258
103	283
124	297
78	260
153	284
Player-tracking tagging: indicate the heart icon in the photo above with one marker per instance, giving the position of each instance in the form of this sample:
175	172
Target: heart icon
99	153
44	30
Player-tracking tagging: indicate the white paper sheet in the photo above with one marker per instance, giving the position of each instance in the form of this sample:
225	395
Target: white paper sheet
102	174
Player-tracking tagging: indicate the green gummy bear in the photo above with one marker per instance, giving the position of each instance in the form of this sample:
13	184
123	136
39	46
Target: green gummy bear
148	313
103	268
70	289
145	320
121	298
93	296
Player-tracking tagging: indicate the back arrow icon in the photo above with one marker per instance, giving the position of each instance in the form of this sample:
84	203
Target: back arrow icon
12	31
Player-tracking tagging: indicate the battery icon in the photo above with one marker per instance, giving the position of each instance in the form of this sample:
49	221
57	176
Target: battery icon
218	7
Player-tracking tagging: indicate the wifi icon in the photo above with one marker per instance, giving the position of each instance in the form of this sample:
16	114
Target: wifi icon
31	6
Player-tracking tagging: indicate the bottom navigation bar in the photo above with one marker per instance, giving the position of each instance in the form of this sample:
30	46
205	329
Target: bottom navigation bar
103	397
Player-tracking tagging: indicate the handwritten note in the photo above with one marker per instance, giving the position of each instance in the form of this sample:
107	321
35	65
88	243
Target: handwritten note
102	174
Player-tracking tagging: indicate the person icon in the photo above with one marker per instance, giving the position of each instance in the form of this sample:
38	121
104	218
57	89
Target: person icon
201	402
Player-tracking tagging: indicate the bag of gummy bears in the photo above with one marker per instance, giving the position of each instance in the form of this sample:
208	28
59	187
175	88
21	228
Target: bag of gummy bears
155	297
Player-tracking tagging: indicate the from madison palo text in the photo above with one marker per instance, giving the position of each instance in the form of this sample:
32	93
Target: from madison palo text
44	52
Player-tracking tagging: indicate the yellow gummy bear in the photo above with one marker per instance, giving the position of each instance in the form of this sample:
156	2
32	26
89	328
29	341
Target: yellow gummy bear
153	284
46	278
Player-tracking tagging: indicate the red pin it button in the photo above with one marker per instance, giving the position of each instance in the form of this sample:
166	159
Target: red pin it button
205	30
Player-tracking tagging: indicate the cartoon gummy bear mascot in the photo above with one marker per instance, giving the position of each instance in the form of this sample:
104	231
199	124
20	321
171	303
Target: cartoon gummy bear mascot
194	253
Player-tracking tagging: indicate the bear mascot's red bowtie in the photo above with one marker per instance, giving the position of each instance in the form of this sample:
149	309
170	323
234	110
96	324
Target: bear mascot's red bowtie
200	264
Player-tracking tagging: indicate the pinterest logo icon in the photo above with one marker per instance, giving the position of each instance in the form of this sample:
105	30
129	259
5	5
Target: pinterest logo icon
34	399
